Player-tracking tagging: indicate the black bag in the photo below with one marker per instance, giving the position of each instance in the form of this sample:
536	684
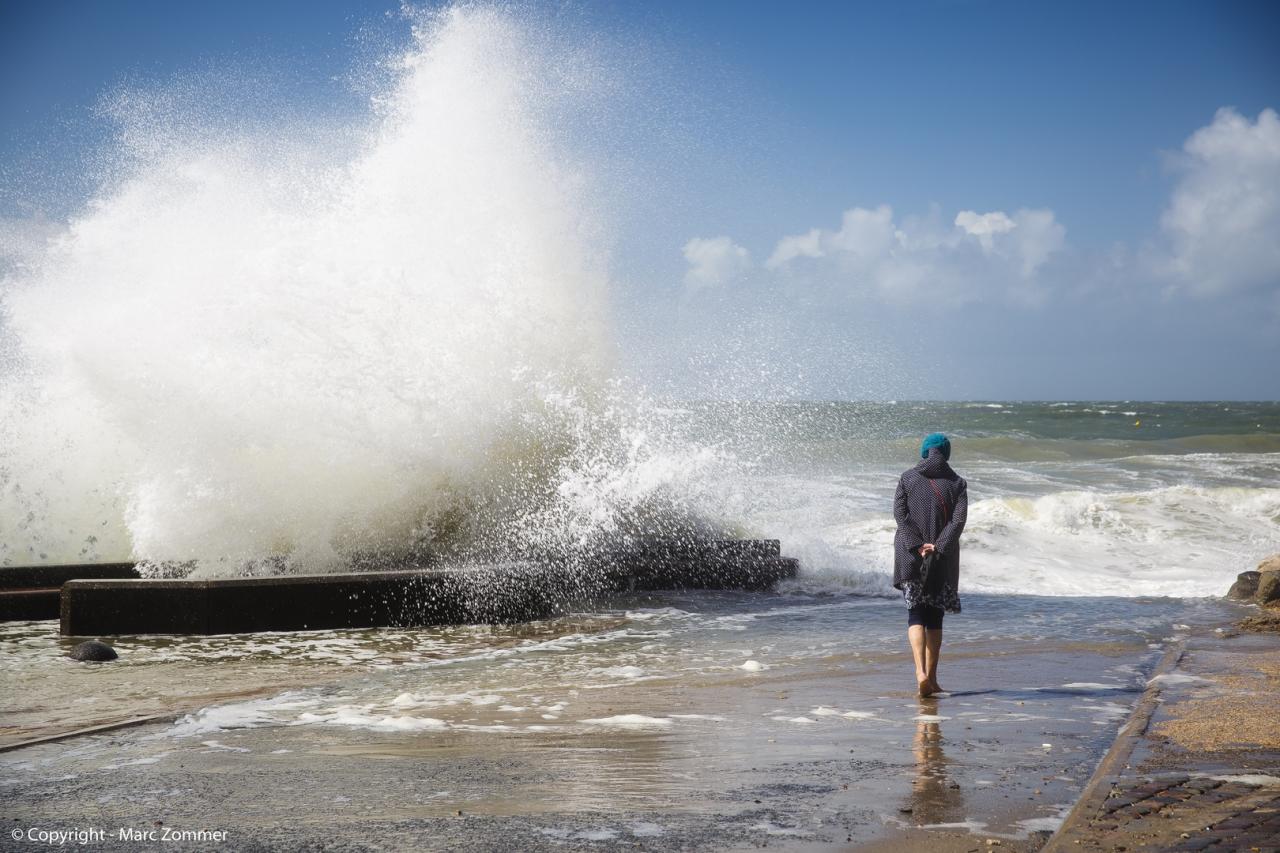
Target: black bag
931	574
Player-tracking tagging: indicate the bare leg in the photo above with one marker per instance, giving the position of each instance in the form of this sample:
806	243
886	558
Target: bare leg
932	649
916	637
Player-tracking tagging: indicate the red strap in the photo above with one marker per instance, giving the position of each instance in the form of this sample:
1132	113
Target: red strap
946	509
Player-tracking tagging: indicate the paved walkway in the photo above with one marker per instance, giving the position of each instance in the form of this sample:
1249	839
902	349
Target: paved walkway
1187	813
1198	765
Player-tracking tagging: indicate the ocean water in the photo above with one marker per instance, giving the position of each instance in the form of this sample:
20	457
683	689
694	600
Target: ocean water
289	346
1066	498
1099	533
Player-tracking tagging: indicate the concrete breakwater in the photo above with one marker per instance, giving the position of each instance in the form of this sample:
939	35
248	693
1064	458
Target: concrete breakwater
98	605
35	592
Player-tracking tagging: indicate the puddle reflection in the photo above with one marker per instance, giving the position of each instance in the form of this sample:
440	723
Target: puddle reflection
935	797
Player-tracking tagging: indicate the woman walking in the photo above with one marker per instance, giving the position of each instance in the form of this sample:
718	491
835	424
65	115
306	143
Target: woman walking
930	506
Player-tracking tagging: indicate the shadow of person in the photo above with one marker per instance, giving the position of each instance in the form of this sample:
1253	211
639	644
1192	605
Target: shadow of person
934	797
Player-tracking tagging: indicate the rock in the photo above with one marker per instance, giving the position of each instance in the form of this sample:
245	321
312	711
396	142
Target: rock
1268	588
1268	621
1245	586
1270	564
92	650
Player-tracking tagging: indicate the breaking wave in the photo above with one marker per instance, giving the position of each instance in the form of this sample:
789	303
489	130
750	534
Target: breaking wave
1179	541
250	346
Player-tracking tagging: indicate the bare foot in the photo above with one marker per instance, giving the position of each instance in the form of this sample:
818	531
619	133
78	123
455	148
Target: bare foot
926	689
936	687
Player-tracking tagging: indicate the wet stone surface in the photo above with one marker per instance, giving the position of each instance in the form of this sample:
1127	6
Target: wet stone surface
682	721
1187	813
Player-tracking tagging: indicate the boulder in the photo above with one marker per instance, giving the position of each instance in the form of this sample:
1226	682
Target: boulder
1270	564
92	650
1268	588
1263	621
1245	587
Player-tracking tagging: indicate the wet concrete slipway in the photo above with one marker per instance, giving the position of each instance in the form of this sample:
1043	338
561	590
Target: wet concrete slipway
653	722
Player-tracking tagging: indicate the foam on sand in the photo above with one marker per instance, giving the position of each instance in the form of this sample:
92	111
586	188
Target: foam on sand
859	715
240	715
1250	779
356	718
1174	678
630	721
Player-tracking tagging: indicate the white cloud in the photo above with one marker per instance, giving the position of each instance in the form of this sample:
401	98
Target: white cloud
977	255
1222	224
865	233
1038	236
714	261
1034	235
800	246
1219	234
985	226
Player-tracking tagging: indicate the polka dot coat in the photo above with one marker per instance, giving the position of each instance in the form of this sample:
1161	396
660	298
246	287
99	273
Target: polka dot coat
925	515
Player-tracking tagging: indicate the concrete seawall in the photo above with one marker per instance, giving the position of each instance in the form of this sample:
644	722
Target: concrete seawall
507	592
34	592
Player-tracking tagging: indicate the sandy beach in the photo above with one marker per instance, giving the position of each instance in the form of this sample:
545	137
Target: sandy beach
1198	765
817	744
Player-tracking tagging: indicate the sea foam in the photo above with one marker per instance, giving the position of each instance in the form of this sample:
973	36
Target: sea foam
250	349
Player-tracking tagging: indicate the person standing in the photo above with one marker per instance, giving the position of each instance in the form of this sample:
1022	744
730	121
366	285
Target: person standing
930	506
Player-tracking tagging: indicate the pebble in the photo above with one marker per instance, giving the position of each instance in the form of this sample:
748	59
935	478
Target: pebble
93	651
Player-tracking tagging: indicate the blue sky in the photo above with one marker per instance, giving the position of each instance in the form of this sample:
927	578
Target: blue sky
1079	109
968	104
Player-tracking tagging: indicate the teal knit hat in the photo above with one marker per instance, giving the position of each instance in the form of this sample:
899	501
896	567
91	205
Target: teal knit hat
937	440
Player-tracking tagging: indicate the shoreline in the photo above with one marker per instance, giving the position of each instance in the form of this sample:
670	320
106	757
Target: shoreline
822	749
1202	770
1174	778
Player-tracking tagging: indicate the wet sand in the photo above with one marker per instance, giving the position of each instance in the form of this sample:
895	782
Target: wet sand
1204	774
825	747
46	694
